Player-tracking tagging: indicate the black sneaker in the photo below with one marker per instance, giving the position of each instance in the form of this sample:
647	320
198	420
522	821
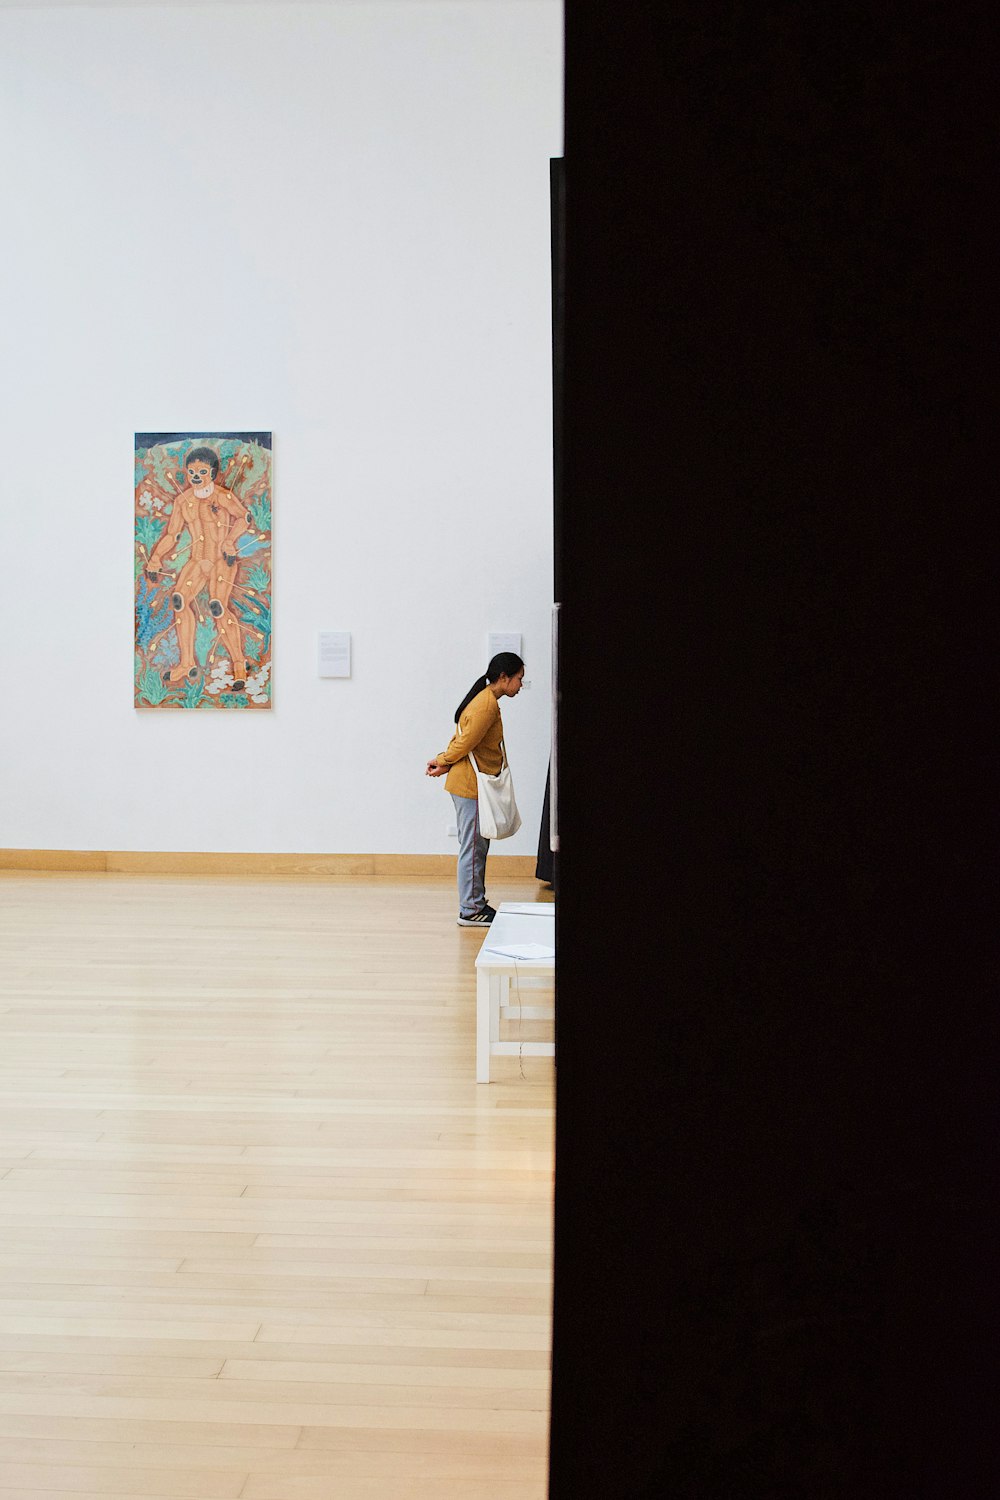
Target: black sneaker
481	919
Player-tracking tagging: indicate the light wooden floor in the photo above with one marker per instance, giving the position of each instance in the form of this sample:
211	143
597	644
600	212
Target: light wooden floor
261	1233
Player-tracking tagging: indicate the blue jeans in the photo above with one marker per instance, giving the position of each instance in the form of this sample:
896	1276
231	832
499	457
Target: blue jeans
472	852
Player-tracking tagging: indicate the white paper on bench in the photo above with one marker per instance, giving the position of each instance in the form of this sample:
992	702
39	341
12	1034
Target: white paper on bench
524	950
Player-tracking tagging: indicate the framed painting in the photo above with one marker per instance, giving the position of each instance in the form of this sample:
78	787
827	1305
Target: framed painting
202	543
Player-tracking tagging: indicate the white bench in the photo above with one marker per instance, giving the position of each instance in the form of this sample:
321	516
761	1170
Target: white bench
515	923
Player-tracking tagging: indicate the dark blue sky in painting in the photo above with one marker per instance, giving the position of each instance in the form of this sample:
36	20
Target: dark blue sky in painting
150	439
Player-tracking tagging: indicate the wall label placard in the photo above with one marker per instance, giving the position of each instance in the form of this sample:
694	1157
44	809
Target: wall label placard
504	640
334	653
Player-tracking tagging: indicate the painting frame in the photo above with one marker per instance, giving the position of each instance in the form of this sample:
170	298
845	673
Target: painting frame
202	569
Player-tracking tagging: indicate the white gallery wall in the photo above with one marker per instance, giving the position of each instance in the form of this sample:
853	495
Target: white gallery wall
330	221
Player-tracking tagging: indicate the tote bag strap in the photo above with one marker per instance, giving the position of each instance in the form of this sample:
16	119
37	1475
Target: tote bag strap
503	761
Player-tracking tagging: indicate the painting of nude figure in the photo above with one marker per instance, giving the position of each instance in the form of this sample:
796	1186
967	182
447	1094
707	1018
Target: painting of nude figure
203	570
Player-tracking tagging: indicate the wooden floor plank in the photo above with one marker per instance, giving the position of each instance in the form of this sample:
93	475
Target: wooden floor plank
263	1234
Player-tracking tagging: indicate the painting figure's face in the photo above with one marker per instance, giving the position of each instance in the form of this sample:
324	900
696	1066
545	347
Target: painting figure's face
199	475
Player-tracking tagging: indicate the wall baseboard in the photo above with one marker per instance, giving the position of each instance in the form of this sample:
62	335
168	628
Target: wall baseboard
154	862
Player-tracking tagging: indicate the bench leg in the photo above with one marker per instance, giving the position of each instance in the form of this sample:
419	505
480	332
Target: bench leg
482	1027
497	981
487	1021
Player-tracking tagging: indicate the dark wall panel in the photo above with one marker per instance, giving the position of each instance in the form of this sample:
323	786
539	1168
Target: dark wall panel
776	1001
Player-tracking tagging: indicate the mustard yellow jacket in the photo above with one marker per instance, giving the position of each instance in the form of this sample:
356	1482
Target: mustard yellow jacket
479	729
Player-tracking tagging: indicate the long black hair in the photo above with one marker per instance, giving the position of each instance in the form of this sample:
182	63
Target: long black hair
504	664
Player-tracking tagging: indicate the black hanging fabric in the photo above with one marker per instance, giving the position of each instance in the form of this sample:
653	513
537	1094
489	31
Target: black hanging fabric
545	866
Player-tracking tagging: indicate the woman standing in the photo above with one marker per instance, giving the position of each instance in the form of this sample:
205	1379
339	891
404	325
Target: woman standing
480	730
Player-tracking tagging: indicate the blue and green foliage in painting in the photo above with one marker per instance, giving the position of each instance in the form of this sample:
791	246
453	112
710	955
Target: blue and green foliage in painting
152	613
148	531
255	613
167	652
151	688
228	660
191	696
204	639
261	513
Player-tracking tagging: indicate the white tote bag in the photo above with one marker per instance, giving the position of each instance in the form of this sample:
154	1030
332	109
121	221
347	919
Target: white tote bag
498	814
